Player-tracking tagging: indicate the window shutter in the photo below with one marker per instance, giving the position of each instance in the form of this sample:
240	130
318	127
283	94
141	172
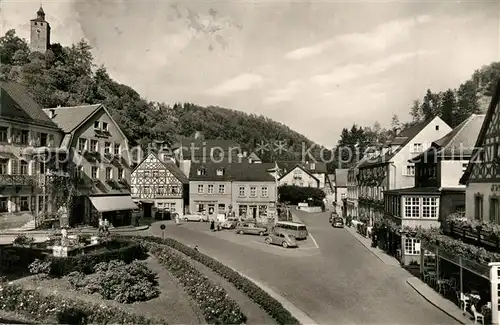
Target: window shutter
492	210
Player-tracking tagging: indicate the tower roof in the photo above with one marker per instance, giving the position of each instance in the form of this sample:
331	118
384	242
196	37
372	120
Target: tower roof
40	12
40	15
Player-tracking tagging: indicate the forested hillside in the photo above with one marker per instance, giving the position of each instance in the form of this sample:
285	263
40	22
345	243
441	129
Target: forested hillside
67	76
452	105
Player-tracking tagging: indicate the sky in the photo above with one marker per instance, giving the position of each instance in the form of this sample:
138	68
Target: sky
316	66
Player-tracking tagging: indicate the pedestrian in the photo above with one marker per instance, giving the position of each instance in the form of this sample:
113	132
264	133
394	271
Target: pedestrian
100	230
106	226
212	225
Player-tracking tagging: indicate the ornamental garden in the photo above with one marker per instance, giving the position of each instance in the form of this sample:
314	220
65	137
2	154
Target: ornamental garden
103	279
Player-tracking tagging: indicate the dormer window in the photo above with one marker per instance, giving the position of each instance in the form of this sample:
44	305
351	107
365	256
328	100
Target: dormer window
313	166
437	127
97	125
220	172
201	172
104	126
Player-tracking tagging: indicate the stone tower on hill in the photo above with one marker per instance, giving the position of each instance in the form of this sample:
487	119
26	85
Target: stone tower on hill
40	32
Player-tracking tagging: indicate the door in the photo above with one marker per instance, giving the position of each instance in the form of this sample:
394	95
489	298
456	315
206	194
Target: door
211	210
253	211
148	210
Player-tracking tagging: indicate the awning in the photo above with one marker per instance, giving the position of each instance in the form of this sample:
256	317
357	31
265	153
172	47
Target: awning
113	203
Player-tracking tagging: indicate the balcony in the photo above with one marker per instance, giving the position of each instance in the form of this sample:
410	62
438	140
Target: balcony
18	180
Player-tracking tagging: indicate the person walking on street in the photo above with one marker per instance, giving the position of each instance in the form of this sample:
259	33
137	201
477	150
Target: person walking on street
212	225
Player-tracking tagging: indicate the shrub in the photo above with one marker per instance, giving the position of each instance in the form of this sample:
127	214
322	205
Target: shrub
23	240
40	266
296	194
122	250
118	281
17	258
217	306
273	307
49	308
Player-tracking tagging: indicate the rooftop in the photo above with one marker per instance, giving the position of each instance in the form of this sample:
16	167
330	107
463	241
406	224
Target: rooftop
230	172
69	118
312	167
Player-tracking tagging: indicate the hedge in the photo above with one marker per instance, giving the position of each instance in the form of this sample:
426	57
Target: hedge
274	308
216	305
49	308
16	258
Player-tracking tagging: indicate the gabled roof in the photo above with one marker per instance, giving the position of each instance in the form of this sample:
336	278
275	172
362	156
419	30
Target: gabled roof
69	118
459	143
302	168
170	166
401	140
482	133
319	167
231	172
341	177
16	104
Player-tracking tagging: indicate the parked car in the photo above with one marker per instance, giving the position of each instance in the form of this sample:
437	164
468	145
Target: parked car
194	217
278	237
296	229
338	222
333	215
250	228
230	223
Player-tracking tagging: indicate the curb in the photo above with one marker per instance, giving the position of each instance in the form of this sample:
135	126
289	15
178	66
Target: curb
296	312
349	230
86	230
433	303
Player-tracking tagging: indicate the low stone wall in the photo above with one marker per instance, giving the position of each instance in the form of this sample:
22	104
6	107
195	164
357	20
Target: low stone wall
311	209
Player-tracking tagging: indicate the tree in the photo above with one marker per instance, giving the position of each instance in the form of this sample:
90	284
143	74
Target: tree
415	111
10	44
448	107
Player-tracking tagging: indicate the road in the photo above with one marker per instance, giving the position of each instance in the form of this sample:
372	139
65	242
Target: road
338	282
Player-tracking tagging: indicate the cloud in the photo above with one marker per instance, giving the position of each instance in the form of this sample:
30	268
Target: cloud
379	39
242	82
284	94
354	71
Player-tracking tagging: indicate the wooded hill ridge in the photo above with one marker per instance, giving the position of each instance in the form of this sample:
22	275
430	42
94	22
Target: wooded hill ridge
67	76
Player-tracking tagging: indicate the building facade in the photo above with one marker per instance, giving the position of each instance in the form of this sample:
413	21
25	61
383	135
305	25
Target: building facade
24	128
482	176
437	193
299	176
352	193
99	164
160	182
240	189
389	168
341	176
316	172
39	33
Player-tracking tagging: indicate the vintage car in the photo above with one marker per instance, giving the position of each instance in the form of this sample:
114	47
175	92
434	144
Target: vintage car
194	217
229	223
279	237
338	222
250	228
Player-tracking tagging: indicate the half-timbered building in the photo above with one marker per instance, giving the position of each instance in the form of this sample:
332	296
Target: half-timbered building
160	182
482	176
389	168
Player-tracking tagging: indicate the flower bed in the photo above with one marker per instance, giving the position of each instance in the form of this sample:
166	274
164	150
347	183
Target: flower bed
213	300
273	307
52	309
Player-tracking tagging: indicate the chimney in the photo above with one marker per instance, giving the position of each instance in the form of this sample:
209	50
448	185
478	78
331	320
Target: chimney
52	113
397	130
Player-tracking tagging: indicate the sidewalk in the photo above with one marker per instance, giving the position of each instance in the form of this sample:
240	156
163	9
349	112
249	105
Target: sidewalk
438	301
11	232
380	254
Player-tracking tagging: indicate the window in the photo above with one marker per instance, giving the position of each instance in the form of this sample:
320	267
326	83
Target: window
412	246
24	203
200	188
478	207
253	191
107	147
4	167
172	207
41	168
175	189
3	204
4	134
146	189
97	125
51	140
25	137
82	144
24	167
44	139
78	172
220	171
264	191
222	189
104	126
121	173
201	172
437	127
464	167
147	174
109	173
410	170
210	189
417	147
117	149
160	190
95	172
241	191
429	207
93	145
495	210
412	207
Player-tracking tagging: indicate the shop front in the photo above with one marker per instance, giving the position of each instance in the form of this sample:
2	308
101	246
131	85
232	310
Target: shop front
257	210
117	209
